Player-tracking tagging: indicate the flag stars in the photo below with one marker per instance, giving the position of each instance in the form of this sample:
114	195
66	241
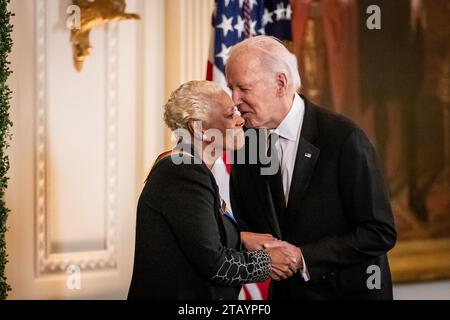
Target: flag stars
267	17
232	25
280	12
239	26
252	4
225	25
288	12
224	54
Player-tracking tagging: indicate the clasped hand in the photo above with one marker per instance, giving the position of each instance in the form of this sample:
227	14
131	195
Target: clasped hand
286	258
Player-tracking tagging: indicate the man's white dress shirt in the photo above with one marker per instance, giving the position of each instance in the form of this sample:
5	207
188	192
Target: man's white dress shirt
289	132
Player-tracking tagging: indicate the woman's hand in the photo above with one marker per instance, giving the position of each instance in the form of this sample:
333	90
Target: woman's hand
256	241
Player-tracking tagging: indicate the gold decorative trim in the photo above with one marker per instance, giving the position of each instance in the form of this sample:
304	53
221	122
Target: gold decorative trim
94	14
420	260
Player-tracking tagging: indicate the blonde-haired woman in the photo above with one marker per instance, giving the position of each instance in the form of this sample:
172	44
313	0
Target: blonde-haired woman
187	243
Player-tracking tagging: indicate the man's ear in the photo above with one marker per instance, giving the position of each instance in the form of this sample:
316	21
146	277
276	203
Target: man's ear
282	84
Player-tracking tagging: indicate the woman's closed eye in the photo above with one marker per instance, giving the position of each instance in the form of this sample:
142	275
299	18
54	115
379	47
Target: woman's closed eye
235	111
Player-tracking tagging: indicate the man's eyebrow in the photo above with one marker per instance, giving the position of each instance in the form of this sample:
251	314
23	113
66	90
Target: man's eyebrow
239	85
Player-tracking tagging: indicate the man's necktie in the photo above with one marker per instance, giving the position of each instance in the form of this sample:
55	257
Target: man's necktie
276	181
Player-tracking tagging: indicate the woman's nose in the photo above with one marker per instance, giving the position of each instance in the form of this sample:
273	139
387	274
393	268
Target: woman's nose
239	121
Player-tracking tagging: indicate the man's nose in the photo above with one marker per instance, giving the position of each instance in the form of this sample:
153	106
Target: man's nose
235	96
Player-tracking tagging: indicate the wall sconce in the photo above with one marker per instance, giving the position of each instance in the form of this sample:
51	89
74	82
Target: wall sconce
94	13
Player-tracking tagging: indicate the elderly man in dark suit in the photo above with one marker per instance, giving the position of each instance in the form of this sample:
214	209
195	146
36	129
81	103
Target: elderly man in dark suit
327	197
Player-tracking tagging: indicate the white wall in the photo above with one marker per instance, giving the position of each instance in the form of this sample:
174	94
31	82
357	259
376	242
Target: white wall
82	144
439	290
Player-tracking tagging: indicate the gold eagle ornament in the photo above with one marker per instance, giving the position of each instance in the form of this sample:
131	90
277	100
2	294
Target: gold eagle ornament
94	13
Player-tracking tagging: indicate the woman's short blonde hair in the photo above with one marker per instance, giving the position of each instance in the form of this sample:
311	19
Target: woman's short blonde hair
190	102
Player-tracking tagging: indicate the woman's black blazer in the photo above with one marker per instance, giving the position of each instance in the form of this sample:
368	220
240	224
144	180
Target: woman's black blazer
184	249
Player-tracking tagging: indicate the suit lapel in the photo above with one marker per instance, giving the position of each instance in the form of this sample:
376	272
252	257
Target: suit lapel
306	158
275	183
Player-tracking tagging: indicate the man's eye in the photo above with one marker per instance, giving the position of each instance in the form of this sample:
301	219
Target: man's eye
230	116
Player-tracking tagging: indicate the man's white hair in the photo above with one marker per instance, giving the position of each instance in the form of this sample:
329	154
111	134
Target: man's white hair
274	56
190	102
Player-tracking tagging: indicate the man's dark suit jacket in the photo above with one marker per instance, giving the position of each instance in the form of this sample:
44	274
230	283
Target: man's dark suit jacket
338	210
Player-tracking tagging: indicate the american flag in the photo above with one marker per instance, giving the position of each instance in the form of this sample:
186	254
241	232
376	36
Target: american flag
234	21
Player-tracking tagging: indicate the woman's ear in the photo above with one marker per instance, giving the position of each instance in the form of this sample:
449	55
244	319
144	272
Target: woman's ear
191	127
282	84
195	129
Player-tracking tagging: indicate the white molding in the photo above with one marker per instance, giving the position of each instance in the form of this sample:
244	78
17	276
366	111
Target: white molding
194	36
47	262
112	139
151	79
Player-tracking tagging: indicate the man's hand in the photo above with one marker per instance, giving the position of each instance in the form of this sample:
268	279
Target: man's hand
255	241
285	262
